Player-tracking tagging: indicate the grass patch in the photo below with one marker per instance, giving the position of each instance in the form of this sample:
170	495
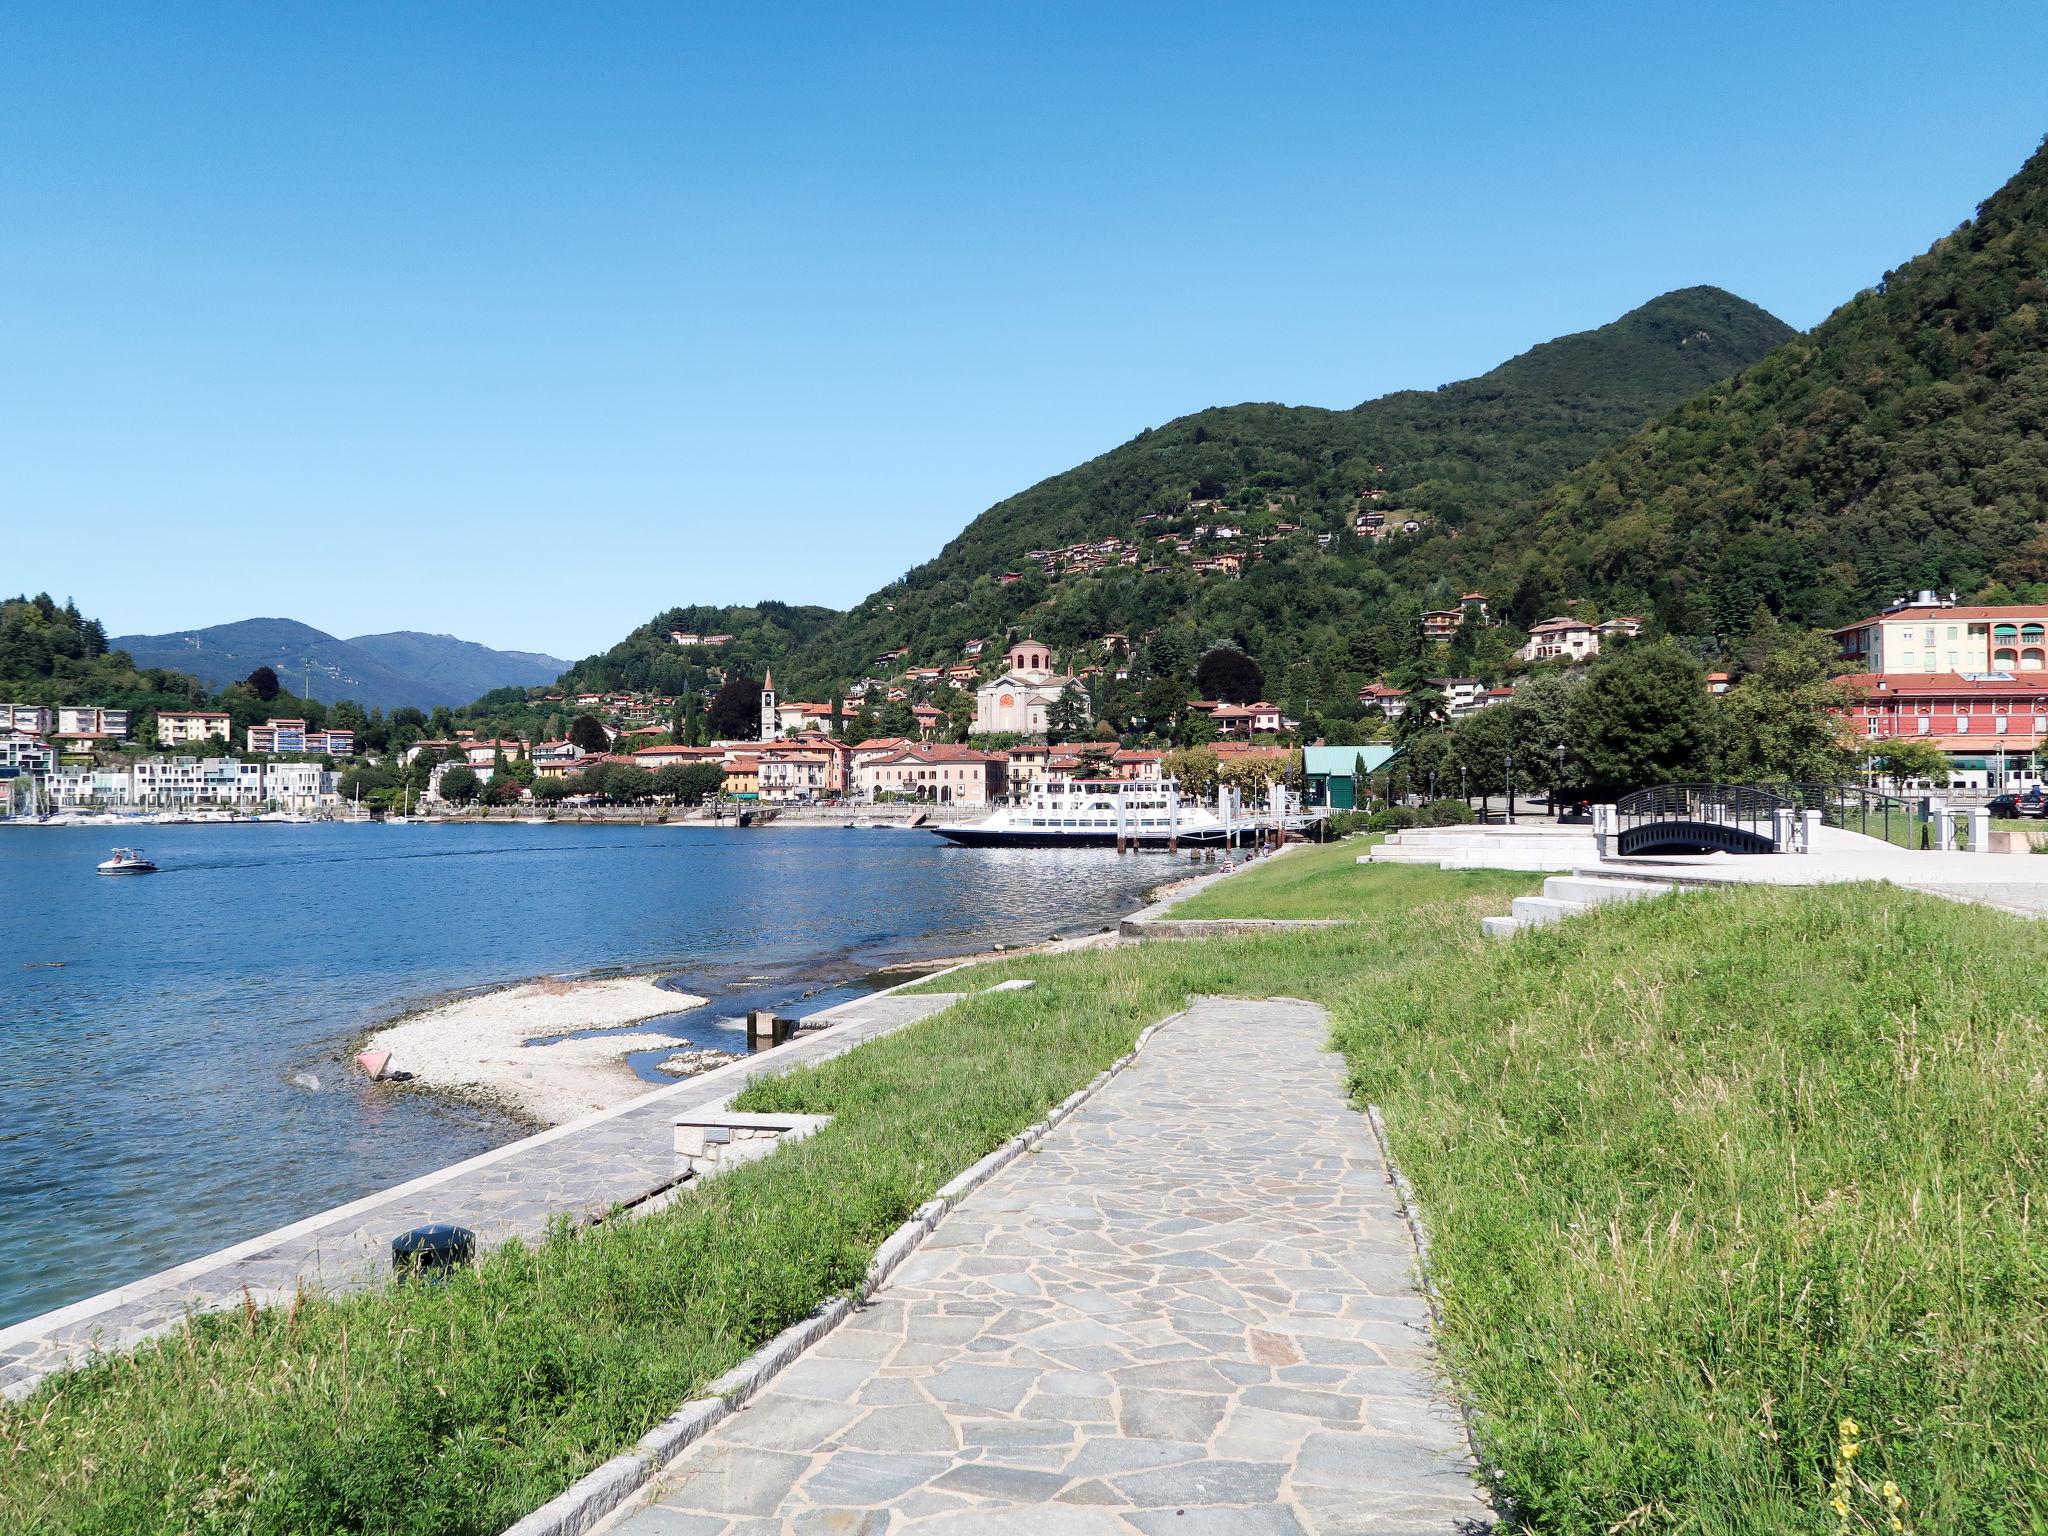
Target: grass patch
454	1410
1705	1176
1329	882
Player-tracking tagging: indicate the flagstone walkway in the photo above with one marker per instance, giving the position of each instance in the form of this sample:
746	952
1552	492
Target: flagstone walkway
1192	1310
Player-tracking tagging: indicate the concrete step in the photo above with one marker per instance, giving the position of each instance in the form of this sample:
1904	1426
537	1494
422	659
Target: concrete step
1589	891
1500	927
1534	911
1533	863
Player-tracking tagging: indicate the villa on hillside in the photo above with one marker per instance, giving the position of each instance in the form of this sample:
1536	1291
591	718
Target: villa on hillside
1573	639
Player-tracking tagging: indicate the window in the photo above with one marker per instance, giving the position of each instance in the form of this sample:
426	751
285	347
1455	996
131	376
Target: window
2005	658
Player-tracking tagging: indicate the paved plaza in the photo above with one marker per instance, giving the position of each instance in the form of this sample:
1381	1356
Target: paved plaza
1192	1309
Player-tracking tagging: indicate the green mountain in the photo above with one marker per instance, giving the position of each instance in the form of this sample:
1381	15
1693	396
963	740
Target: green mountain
1903	443
375	671
1274	473
1438	457
448	670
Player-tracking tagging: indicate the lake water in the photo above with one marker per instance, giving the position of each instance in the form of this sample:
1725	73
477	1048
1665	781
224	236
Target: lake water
174	1047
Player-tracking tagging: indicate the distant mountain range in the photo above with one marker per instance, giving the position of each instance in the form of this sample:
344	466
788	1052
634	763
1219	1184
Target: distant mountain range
375	671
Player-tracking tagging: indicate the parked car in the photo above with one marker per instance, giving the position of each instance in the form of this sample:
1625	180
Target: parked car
2009	807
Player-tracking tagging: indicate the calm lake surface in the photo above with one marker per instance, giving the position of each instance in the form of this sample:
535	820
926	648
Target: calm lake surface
174	1048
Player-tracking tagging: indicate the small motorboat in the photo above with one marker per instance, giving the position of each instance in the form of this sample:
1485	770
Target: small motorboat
127	861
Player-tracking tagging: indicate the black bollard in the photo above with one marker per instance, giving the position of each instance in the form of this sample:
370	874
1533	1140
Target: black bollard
433	1252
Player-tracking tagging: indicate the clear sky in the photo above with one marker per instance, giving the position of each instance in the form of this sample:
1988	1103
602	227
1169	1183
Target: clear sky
524	322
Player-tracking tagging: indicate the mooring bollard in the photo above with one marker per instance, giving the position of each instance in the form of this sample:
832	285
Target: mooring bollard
765	1031
433	1252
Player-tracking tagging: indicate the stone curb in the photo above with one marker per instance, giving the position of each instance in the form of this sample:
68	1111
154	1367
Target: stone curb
609	1490
1418	1232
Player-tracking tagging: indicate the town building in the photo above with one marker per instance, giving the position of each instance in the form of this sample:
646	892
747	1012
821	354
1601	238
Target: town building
33	719
1989	725
22	752
1019	700
792	717
191	783
87	721
484	754
1388	701
1331	776
1569	639
743	776
789	771
1247	719
290	735
1442	623
945	775
188	727
1932	635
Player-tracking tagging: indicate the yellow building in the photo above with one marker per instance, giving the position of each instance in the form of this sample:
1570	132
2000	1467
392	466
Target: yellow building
743	774
1933	636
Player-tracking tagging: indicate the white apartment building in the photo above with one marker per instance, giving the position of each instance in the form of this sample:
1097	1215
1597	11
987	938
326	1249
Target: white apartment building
90	720
25	753
186	783
35	719
185	727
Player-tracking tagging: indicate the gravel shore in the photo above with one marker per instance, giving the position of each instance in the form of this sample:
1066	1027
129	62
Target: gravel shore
505	1045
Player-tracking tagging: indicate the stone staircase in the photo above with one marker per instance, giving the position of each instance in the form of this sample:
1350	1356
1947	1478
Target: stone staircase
1567	896
1543	847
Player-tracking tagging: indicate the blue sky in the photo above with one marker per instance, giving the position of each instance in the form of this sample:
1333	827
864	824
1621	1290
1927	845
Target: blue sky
523	322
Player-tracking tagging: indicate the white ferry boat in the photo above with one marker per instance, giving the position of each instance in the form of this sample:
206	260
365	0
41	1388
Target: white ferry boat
1093	813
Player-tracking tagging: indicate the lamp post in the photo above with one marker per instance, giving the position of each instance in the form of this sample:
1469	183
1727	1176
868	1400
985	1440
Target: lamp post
1463	792
1510	760
1557	782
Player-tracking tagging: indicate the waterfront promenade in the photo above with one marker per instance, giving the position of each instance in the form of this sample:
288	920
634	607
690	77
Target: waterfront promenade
582	1170
1192	1309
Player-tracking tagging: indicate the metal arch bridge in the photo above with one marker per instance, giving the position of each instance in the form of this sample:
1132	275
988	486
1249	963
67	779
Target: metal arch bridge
1756	818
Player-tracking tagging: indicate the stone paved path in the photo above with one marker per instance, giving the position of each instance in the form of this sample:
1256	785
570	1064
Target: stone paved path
583	1168
1192	1311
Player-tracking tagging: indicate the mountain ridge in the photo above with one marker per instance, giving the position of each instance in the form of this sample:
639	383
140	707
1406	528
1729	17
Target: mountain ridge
424	671
1441	455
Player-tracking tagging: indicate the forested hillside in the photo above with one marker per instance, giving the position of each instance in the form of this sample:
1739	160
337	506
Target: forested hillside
52	654
1437	457
750	641
1902	444
1278	476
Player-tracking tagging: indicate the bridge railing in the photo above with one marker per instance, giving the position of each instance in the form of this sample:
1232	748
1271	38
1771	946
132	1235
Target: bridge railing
1744	807
1852	808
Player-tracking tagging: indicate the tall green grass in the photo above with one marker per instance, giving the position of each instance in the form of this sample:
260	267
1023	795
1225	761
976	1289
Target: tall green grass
1708	1176
1705	1177
1329	882
453	1410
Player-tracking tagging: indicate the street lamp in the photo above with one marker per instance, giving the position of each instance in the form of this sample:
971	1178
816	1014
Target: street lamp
1557	783
1511	788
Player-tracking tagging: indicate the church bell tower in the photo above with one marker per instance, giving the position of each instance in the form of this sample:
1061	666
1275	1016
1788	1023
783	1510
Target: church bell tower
771	722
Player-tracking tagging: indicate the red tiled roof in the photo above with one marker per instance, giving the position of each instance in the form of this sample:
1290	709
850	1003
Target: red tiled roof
1918	613
1939	684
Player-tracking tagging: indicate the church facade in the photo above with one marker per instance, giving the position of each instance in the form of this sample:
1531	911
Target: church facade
1021	698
